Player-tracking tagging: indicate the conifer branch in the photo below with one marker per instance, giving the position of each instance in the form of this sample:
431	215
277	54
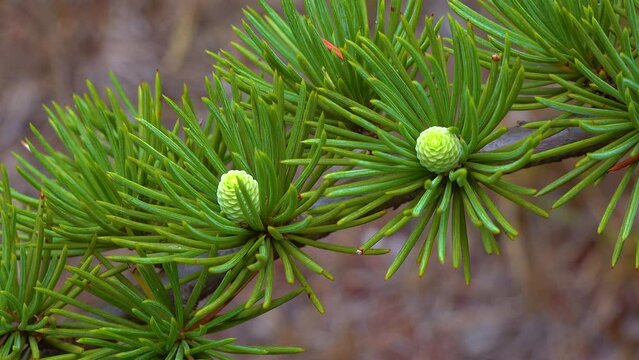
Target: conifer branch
514	134
342	122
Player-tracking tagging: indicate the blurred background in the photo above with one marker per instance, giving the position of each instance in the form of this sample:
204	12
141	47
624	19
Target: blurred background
550	295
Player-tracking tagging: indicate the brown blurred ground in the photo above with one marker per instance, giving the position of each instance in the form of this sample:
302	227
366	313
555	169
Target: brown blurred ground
551	295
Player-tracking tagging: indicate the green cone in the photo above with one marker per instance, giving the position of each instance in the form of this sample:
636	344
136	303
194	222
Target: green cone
438	149
227	196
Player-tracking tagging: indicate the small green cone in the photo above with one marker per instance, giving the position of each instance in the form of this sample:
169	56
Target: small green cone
438	149
227	196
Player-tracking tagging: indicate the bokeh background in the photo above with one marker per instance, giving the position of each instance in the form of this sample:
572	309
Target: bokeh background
551	294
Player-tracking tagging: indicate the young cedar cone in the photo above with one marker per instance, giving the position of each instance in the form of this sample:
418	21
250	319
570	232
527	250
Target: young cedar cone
228	190
438	150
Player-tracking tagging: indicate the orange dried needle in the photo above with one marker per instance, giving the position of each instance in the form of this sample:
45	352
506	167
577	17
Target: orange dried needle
334	49
623	164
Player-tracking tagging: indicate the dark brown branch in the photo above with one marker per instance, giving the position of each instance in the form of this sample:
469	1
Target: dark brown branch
566	136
